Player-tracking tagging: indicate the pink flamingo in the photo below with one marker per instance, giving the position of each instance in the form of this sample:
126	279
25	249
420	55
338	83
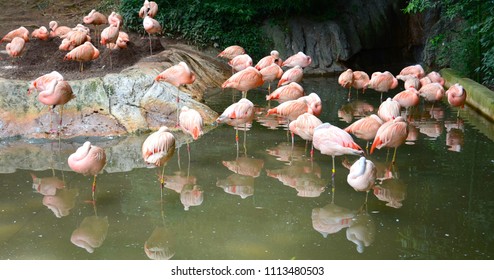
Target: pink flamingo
41	83
290	109
151	26
389	110
360	79
334	141
382	82
304	126
415	70
237	114
115	19
432	92
365	128
83	53
273	57
16	47
271	73
157	149
362	175
59	92
391	134
345	79
231	52
240	62
287	92
149	8
294	74
95	18
41	33
456	96
300	59
109	36
178	75
191	122
21	32
58	30
407	98
88	160
314	102
244	80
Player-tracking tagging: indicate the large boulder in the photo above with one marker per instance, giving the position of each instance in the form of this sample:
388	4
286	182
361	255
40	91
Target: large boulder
116	104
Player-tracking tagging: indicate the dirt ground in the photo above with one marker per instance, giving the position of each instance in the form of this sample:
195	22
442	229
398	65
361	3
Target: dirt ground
41	57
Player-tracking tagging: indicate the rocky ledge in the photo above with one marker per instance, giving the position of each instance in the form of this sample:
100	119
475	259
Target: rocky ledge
116	104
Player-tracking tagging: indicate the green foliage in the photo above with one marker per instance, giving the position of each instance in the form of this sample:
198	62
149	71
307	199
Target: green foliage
223	23
469	50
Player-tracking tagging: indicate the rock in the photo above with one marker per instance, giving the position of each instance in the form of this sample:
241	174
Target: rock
116	104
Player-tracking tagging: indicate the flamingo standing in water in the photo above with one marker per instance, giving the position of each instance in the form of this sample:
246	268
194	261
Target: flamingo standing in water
365	128
287	92
177	75
391	134
346	80
83	53
151	26
88	160
294	74
456	96
362	175
191	123
382	82
231	52
240	62
304	126
291	109
415	70
298	59
407	98
334	141
237	114
360	79
244	80
157	149
273	57
389	110
271	73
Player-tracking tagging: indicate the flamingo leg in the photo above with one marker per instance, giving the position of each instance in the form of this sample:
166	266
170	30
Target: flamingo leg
333	170
394	155
188	164
150	47
162	180
178	158
349	94
178	101
93	188
245	138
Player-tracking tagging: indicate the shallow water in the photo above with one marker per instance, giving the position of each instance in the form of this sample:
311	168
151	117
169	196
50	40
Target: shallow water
271	203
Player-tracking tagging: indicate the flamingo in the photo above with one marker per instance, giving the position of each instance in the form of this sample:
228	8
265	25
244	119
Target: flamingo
191	122
365	128
244	80
314	102
291	109
456	96
415	70
115	19
360	79
300	59
287	92
83	53
273	57
109	36
294	74
334	141
345	79
271	73
21	32
122	41
41	33
237	114
149	8
382	82
157	149
362	175
410	81
88	160
304	126
95	18
407	98
389	110
43	81
59	92
151	26
177	75
231	52
432	92
240	62
391	134
435	77
58	30
16	47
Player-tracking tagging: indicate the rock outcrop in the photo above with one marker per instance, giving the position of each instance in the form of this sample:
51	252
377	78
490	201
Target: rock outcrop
116	104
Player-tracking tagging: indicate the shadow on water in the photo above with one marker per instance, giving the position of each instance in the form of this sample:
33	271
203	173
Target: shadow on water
268	200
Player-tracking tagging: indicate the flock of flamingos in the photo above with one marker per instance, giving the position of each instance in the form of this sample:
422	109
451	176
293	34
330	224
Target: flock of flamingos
387	128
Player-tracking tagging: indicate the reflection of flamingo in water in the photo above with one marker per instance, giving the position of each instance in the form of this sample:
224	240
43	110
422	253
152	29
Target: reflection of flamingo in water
362	229
91	232
157	149
160	244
